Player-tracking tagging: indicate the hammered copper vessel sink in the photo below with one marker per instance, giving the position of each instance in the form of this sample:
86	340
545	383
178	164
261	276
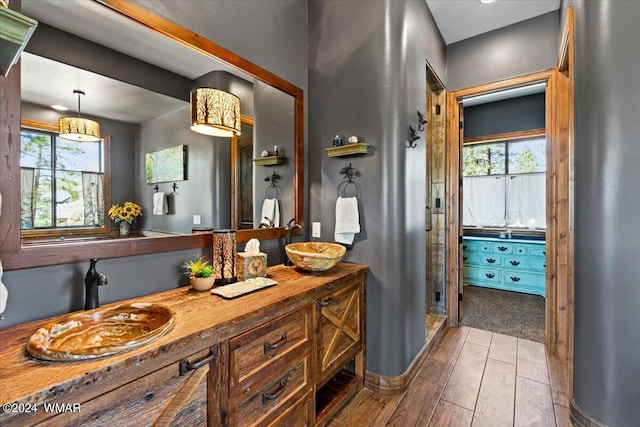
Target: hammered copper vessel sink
315	256
102	332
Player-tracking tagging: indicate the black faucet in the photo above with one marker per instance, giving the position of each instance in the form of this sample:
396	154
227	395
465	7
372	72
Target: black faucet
288	230
92	280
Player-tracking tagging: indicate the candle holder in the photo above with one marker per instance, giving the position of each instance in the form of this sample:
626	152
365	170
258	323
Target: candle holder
224	256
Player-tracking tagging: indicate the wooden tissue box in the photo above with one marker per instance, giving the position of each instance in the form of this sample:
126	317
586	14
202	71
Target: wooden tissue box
250	266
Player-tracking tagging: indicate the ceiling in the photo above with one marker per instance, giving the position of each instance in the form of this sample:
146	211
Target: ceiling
462	19
47	82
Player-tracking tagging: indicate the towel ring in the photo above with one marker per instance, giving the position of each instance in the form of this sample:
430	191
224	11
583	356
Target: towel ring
273	192
345	187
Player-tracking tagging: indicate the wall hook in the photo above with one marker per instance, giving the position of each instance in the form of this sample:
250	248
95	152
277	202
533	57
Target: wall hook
156	188
175	187
421	121
413	137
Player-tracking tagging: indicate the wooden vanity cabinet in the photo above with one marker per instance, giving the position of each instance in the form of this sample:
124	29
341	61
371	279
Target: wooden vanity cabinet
171	396
290	355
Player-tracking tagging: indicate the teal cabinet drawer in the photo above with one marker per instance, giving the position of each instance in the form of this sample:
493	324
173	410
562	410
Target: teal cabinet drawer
469	247
538	250
484	247
520	250
537	265
490	260
523	278
481	275
502	248
515	262
470	259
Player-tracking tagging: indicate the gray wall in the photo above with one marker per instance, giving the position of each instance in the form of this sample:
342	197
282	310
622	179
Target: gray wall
512	51
274	125
607	155
509	115
273	35
373	87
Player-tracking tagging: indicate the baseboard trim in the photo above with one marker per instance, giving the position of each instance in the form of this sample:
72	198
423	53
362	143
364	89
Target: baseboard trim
399	384
580	418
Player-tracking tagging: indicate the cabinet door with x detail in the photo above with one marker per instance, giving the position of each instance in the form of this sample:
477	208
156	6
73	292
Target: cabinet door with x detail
339	328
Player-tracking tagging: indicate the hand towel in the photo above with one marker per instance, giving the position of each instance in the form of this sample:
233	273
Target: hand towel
4	294
160	205
270	210
347	220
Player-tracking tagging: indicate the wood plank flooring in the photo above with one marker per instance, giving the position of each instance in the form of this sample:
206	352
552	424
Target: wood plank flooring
473	378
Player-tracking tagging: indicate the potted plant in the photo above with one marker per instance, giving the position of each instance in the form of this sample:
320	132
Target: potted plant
125	215
200	274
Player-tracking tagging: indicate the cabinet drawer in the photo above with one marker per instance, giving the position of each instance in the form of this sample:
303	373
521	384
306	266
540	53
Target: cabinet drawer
469	246
514	262
470	259
537	264
481	275
274	398
522	278
163	397
502	248
300	414
484	247
267	344
491	260
538	250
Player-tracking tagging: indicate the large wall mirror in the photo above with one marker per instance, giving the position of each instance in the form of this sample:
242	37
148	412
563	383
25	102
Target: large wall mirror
57	193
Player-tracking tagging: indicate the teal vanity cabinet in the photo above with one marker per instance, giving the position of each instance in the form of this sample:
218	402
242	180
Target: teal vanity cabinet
507	264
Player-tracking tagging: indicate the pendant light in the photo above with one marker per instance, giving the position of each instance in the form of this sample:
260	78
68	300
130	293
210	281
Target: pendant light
215	112
77	128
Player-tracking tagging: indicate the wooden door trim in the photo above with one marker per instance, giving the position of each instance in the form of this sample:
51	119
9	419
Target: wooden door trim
453	156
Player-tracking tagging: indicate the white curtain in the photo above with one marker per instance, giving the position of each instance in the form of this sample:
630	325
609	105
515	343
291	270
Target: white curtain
26	198
93	197
526	200
483	199
498	201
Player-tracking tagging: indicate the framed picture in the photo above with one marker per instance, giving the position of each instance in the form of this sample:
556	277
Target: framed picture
166	165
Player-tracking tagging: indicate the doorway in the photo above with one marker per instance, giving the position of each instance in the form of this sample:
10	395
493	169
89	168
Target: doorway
503	172
435	134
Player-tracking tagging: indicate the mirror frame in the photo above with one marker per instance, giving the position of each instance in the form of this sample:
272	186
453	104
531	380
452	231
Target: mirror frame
15	256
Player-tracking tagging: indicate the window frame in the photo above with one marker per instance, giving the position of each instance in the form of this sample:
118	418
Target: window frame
57	233
503	138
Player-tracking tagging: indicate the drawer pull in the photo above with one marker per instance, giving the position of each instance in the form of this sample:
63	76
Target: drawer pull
464	258
491	260
515	279
515	262
544	252
269	346
490	275
464	247
325	302
266	396
502	248
186	366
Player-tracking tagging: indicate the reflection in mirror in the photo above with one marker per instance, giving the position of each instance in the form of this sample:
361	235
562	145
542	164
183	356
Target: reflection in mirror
219	188
160	68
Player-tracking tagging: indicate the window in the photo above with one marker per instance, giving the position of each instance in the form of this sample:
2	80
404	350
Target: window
62	182
504	184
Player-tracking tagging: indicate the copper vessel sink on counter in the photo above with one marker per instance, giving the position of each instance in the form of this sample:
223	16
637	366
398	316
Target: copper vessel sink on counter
101	332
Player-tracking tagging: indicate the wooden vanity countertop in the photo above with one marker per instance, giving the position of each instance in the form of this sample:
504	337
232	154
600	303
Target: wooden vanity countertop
202	320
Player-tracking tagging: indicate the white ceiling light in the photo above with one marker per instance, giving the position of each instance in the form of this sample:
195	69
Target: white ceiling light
486	1
59	107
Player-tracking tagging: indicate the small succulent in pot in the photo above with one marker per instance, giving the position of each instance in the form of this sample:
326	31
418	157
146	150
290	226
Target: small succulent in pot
200	274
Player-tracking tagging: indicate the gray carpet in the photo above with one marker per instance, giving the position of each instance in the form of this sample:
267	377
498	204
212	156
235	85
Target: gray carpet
510	313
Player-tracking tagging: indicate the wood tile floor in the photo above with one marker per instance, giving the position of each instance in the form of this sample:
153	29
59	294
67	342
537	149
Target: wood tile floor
472	378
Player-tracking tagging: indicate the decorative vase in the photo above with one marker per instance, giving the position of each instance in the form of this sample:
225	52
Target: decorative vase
202	284
125	228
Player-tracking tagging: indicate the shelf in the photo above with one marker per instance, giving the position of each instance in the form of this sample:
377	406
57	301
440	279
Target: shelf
331	396
15	31
268	161
348	150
